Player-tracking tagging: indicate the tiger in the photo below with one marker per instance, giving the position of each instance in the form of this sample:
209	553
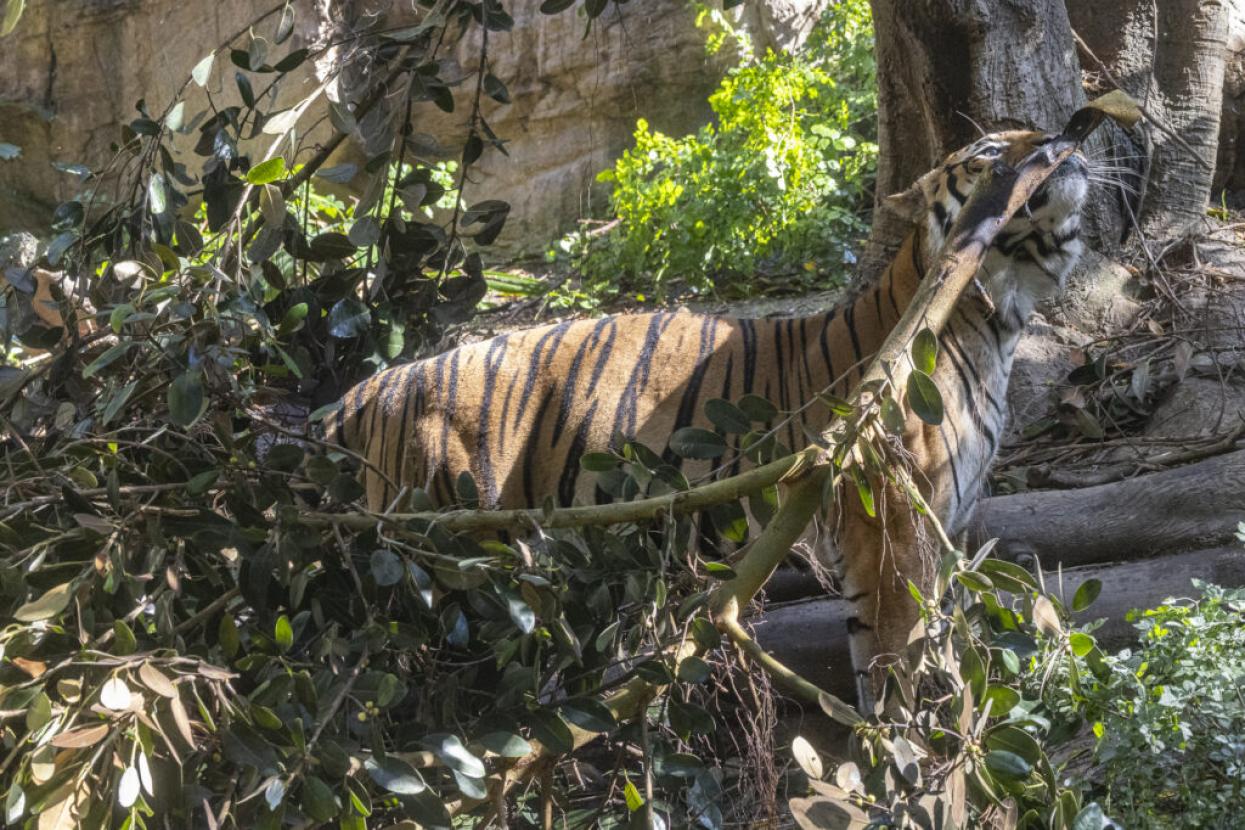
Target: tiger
520	410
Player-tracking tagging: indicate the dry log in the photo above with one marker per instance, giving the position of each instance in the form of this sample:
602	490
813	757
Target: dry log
1198	505
811	636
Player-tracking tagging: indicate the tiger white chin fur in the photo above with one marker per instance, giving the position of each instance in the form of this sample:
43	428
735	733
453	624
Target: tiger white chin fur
518	411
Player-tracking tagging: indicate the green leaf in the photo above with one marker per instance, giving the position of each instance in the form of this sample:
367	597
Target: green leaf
495	89
555	6
974	581
1086	594
318	800
157	196
49	605
505	744
726	416
395	775
283	633
113	354
692	670
1013	739
1002	700
285	26
552	732
1088	424
186	399
1081	643
925	351
291	61
634	800
281	123
1007	766
893	416
705	633
1008	576
837	405
124	641
117	402
12	14
468	493
456	756
924	399
38	712
598	462
865	491
349	318
227	636
757	409
589	714
244	86
199	484
267	172
693	442
173	121
719	570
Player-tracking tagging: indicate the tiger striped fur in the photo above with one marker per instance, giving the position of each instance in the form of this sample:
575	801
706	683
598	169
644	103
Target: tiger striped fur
519	410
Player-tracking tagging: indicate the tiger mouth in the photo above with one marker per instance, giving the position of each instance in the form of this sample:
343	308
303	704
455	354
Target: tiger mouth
1064	189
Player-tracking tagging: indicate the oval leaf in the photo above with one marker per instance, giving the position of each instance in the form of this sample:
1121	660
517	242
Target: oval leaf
49	605
693	442
924	399
395	775
925	351
186	399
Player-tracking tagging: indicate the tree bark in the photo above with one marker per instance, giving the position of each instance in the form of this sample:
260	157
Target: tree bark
948	69
810	637
1141	516
1169	55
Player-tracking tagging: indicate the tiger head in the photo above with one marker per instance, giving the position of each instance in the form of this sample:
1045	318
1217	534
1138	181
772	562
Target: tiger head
1033	253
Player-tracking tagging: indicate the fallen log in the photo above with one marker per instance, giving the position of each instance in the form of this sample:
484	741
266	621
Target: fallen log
1198	505
810	636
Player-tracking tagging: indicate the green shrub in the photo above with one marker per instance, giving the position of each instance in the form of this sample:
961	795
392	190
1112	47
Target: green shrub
776	184
1170	716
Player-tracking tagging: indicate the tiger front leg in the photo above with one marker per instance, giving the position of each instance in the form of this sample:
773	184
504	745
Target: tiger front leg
876	557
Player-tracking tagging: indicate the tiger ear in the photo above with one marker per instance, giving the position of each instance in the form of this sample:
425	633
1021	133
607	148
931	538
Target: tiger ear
907	205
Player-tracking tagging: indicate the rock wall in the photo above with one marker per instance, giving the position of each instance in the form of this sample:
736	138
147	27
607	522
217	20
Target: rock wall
71	73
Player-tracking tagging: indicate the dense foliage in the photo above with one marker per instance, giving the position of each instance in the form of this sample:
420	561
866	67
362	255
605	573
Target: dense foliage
1169	715
205	629
776	185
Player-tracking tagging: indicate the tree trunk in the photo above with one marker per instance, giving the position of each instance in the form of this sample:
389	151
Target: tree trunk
948	69
1174	65
809	636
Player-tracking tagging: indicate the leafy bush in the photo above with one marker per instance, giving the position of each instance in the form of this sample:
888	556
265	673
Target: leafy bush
1169	716
969	736
778	182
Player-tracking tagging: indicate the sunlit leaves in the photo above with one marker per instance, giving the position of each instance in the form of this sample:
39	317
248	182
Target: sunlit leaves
395	776
49	604
925	351
268	171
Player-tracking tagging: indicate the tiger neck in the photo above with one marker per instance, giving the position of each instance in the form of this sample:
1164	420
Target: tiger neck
840	343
